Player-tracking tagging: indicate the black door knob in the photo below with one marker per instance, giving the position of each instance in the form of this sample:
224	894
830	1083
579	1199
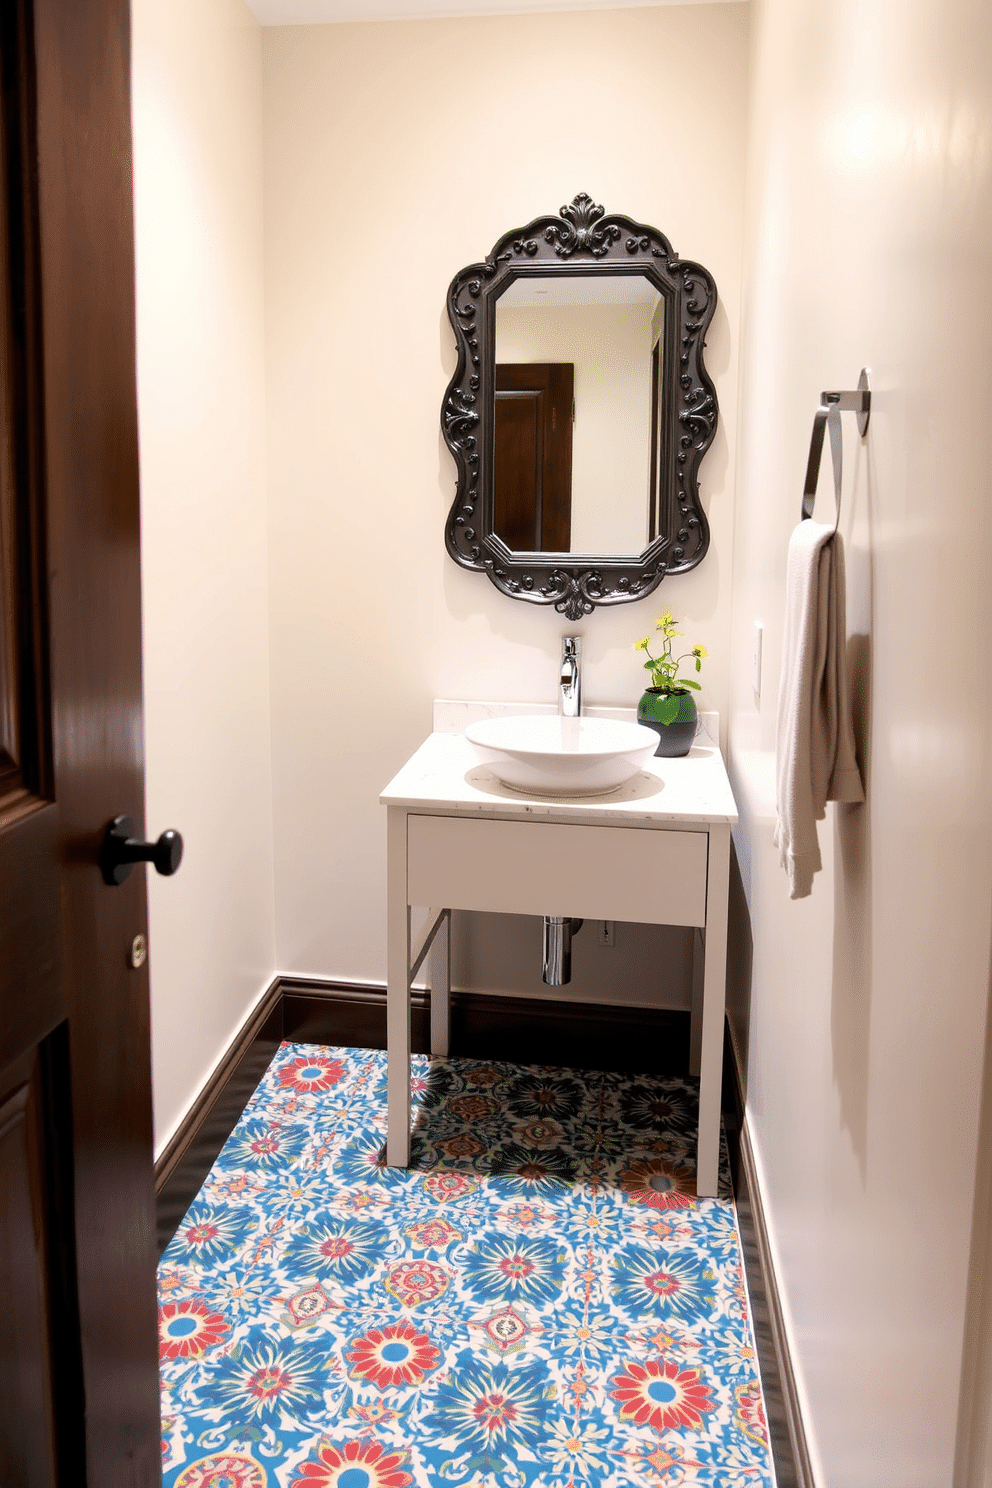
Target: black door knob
120	851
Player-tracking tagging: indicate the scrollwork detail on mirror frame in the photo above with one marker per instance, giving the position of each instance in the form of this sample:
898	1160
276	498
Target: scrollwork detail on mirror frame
582	240
579	233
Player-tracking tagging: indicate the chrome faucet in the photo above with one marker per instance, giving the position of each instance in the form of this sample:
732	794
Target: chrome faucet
569	683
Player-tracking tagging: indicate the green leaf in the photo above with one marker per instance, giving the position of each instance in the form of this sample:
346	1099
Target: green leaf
685	682
668	709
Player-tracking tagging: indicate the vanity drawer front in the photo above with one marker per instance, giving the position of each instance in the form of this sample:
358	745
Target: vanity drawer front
600	873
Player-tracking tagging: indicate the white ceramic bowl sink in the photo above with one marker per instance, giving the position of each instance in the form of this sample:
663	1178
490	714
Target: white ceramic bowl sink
547	755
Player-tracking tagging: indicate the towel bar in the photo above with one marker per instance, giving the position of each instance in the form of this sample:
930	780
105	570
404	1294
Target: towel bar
827	416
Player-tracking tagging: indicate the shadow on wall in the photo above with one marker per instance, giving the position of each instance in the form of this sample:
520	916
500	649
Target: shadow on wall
850	1012
852	935
740	956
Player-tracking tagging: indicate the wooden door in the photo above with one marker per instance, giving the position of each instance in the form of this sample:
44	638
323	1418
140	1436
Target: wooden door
654	488
532	474
78	1357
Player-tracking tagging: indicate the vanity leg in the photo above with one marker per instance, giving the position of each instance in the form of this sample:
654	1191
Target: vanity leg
440	969
696	1024
397	992
714	1000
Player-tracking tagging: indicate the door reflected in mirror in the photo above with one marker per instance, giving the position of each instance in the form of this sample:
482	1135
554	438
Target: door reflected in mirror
578	384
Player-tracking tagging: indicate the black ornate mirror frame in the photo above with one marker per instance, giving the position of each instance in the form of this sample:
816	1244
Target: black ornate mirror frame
582	240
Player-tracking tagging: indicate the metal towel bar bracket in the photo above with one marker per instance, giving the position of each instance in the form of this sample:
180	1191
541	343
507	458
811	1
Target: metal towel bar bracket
827	416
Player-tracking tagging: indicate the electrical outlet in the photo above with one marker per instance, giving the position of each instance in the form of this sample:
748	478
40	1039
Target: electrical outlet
605	935
756	673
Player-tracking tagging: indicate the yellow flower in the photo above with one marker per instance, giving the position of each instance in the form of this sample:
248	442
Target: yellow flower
700	651
642	645
666	620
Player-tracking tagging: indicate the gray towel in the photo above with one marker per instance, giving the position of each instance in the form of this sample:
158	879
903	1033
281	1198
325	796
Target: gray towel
815	758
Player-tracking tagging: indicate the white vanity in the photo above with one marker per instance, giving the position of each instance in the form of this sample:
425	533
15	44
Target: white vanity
655	851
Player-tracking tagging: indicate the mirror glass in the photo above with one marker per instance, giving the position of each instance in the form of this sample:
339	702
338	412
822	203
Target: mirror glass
579	378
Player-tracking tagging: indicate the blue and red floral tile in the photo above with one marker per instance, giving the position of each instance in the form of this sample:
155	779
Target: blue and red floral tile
539	1302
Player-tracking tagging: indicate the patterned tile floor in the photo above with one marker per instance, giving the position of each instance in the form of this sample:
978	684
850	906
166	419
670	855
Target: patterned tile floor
541	1302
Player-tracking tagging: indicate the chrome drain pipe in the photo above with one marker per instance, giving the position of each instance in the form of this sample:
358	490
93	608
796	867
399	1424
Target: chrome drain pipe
558	932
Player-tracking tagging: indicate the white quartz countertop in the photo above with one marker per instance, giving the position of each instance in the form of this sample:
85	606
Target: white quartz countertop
445	777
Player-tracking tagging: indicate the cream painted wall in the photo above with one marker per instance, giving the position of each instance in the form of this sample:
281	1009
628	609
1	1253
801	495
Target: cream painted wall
869	211
397	153
198	227
609	347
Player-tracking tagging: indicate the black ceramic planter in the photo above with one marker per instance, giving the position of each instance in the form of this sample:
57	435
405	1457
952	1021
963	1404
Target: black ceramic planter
675	738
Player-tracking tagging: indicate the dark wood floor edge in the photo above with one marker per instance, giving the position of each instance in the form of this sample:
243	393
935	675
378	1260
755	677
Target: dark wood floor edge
267	1008
751	1215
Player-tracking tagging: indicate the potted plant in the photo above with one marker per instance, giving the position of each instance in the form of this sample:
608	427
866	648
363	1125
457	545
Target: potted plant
668	705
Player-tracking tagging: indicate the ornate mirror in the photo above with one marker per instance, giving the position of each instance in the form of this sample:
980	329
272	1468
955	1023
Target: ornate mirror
579	411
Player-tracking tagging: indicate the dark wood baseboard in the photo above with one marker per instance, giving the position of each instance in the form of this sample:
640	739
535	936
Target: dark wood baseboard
193	1148
785	1423
792	1461
525	1031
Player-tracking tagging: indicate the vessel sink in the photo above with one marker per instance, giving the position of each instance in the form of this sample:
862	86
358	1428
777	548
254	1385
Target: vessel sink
547	755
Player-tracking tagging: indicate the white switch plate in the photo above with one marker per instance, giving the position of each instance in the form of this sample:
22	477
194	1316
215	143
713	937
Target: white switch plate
756	673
